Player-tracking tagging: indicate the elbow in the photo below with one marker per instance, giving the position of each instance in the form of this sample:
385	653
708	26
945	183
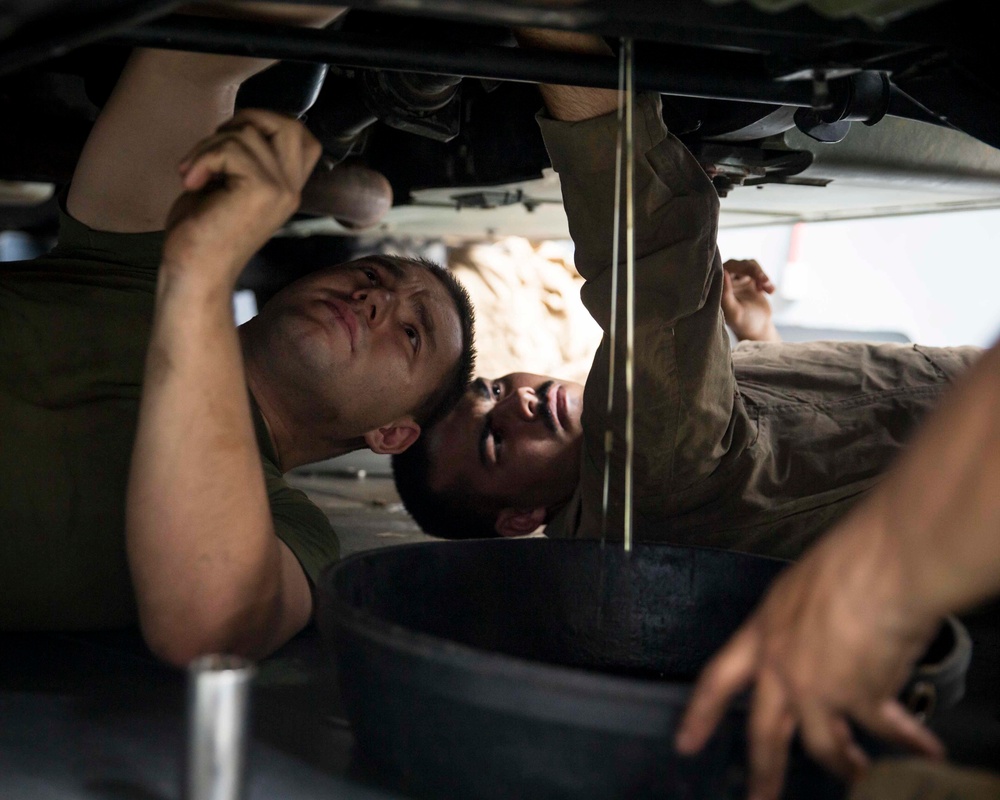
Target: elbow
174	651
179	646
178	639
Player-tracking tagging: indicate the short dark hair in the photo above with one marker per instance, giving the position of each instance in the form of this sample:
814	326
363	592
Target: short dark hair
442	400
449	514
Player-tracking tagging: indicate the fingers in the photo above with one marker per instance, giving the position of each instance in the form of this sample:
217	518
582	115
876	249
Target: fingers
826	735
770	730
295	146
891	721
730	305
750	269
743	267
828	738
279	147
727	673
230	153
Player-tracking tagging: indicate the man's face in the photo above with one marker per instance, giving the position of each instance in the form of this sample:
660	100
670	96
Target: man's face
368	340
516	439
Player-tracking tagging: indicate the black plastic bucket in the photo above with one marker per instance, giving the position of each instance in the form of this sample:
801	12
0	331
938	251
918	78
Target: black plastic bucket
540	668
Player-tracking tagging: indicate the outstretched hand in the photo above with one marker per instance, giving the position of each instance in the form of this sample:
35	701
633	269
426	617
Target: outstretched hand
832	643
240	186
744	304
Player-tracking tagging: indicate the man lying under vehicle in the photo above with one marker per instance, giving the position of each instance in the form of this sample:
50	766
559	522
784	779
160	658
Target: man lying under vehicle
145	435
759	448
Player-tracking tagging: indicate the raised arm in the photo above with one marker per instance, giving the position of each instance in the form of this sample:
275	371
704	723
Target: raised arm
838	633
684	384
126	178
208	570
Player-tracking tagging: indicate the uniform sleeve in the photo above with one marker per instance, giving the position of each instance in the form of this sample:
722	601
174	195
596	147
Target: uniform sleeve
141	251
684	383
302	526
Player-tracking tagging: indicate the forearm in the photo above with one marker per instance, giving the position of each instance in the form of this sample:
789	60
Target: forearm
683	377
204	561
676	203
208	571
676	210
942	501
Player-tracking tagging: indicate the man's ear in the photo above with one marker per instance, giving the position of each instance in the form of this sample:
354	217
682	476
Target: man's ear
393	438
515	522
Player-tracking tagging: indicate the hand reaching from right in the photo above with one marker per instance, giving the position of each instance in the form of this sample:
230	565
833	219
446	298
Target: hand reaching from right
831	643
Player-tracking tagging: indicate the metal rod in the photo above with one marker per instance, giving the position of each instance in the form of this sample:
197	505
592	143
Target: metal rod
94	23
902	105
240	37
218	697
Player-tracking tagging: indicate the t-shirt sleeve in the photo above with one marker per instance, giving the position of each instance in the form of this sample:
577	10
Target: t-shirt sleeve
300	524
80	243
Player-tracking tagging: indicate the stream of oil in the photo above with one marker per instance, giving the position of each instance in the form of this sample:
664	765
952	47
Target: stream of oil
624	162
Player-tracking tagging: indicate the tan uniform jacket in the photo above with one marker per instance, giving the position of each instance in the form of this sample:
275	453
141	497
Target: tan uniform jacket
759	448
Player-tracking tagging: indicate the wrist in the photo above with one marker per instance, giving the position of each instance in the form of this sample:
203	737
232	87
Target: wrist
570	103
909	590
209	261
196	279
576	103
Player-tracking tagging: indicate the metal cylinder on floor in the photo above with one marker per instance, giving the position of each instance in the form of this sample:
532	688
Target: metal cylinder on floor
218	709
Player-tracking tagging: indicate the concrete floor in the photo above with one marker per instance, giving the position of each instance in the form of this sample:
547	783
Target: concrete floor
358	495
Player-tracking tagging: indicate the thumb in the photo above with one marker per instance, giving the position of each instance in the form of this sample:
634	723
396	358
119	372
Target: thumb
730	305
207	168
727	674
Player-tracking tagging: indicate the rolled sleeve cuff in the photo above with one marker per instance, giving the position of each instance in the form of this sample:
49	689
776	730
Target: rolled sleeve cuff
598	137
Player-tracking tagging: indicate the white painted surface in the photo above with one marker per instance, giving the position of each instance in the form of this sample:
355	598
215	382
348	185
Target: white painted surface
933	277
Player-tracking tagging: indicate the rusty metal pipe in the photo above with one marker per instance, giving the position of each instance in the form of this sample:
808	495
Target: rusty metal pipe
356	196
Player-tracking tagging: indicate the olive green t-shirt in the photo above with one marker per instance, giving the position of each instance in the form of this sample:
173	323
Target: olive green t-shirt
74	326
